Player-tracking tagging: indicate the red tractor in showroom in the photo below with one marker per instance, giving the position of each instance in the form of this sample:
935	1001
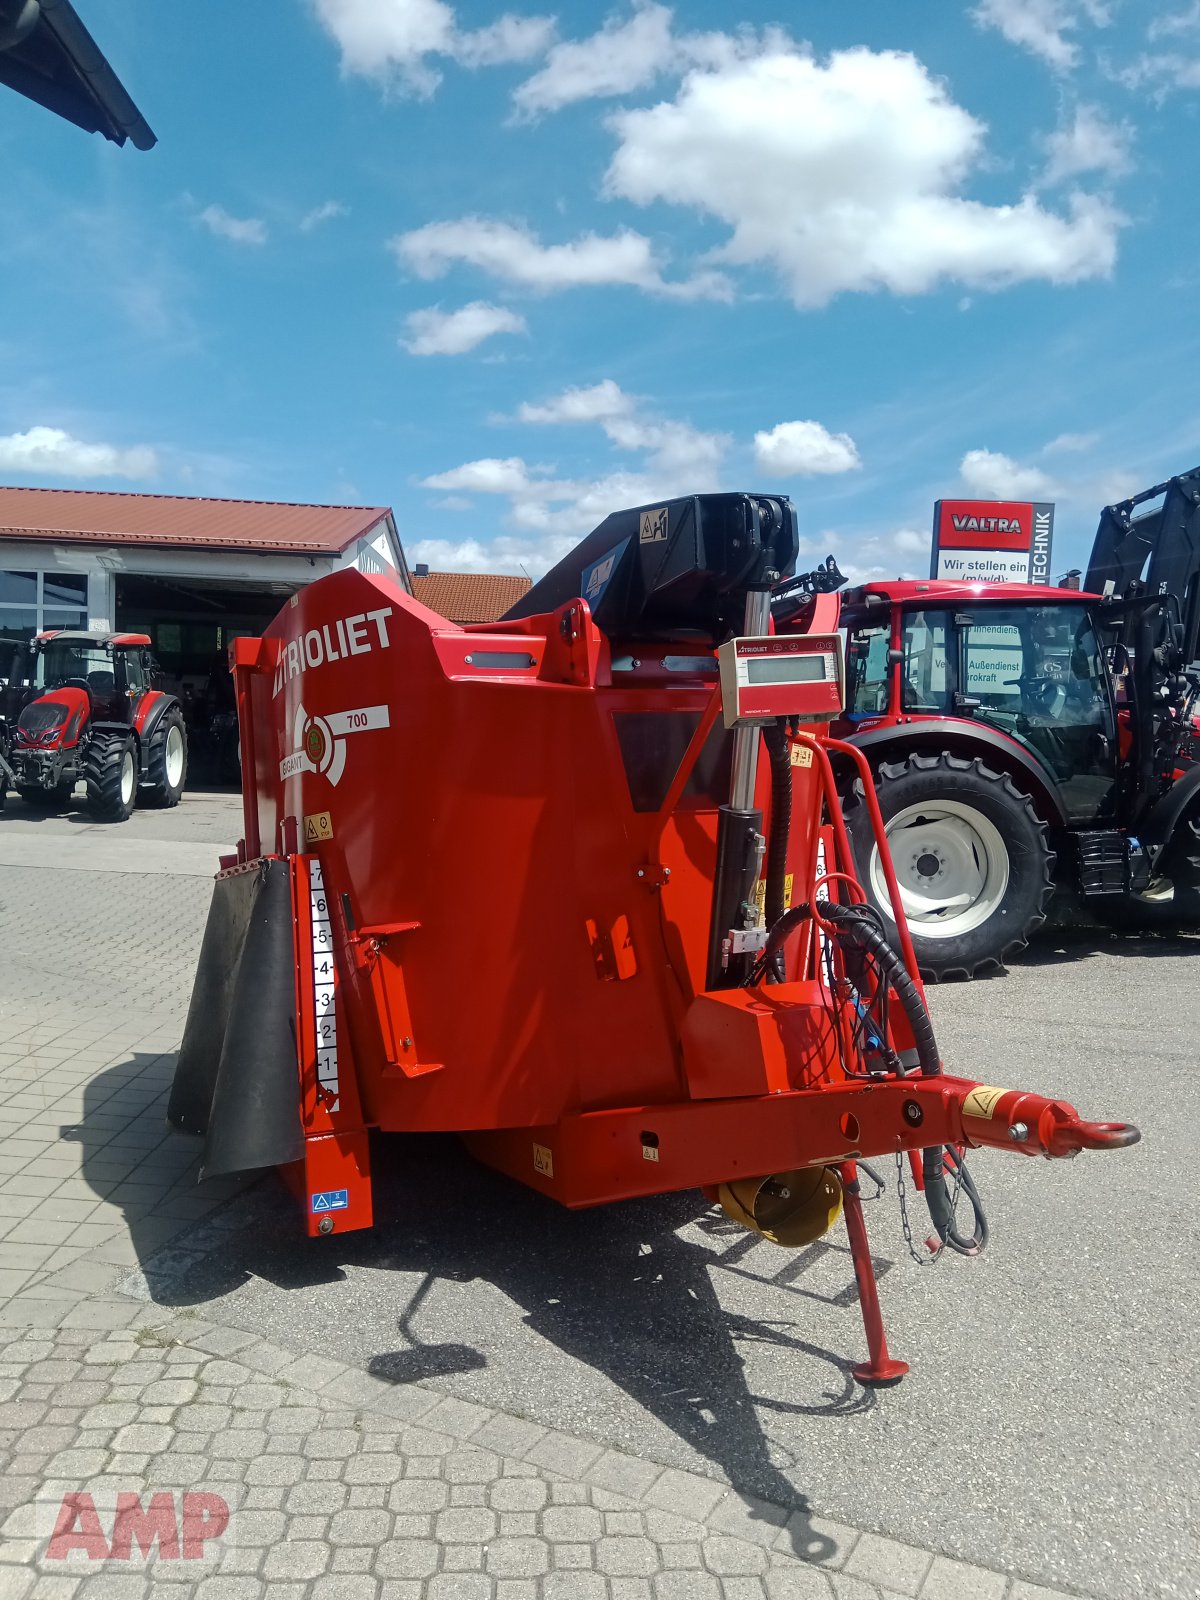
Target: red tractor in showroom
83	706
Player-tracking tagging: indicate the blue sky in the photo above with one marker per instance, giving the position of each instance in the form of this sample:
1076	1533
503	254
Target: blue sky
507	272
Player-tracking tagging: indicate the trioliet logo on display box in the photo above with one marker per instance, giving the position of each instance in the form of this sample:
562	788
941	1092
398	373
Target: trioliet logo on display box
992	541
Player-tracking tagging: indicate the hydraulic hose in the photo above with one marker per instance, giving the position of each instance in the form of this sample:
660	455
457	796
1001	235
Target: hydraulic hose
859	927
780	756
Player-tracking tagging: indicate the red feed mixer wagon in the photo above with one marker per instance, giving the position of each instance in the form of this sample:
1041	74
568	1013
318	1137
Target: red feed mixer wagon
576	886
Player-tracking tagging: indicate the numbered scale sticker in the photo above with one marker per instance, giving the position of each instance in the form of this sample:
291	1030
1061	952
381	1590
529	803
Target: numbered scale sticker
324	989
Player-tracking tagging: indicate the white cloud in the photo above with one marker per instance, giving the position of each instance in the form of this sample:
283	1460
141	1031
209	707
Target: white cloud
52	452
1070	444
1089	144
621	57
518	256
677	452
1042	26
993	476
804	450
322	214
434	332
845	175
392	39
241	230
598	403
549	511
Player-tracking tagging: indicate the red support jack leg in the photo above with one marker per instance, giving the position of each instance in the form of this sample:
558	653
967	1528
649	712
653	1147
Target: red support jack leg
880	1367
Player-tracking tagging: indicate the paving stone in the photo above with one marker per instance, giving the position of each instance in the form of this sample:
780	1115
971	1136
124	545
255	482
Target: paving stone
817	1539
632	1523
465	1525
895	1566
573	1557
463	1558
419	1494
574	1586
730	1557
518	1494
459	1586
471	1466
275	1469
406	1558
626	1558
686	1493
623	1474
572	1524
298	1558
955	1580
330	1443
360	1527
796	1582
345	1586
559	1452
746	1517
223	1587
316	1498
686	1586
745	1588
517	1558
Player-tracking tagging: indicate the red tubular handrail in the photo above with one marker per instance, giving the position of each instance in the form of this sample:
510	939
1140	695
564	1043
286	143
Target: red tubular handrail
889	873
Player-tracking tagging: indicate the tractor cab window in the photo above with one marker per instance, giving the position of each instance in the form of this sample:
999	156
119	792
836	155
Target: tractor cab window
135	672
86	665
1038	674
867	671
927	678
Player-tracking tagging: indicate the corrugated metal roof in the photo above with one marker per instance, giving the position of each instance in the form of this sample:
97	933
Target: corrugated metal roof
90	516
469	596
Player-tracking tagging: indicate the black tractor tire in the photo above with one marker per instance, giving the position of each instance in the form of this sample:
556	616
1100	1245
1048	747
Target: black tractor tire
110	770
167	753
977	818
40	799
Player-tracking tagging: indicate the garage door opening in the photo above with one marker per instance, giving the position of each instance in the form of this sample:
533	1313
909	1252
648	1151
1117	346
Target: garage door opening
191	622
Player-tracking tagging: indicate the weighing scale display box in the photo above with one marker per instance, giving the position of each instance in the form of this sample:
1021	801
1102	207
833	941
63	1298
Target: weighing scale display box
796	675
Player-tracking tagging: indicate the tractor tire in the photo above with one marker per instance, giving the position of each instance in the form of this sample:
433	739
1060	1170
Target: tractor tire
1179	914
970	856
110	770
166	761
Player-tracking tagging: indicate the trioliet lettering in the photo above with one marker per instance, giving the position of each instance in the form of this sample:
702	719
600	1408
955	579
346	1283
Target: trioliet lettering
333	641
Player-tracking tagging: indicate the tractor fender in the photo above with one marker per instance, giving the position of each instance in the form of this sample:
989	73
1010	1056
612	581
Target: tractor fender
154	707
897	741
1155	832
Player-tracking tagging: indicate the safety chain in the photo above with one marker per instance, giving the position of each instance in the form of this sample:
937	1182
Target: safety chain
927	1258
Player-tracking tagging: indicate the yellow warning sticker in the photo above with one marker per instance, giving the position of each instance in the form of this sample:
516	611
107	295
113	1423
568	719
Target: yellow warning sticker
802	755
543	1160
318	827
760	896
982	1101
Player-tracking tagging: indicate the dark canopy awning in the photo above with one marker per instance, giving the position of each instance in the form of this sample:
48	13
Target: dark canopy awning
48	55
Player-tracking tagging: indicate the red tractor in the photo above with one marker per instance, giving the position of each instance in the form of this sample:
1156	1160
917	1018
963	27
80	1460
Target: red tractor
1025	740
82	705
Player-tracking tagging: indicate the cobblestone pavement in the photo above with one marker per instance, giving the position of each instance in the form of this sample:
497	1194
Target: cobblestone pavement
338	1483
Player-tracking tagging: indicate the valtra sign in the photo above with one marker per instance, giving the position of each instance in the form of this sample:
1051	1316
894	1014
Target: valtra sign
992	541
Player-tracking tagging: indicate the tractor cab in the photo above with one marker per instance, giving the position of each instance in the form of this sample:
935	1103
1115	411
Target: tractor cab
83	705
1022	736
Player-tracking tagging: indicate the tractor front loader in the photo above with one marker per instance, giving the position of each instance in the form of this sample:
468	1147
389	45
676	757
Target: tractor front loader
576	886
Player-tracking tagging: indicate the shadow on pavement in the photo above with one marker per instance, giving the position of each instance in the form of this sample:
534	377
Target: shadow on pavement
616	1288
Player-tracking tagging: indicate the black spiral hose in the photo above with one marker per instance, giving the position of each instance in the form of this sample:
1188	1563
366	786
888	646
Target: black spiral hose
860	927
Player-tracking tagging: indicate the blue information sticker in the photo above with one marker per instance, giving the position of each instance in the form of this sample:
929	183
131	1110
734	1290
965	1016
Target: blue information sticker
331	1200
597	577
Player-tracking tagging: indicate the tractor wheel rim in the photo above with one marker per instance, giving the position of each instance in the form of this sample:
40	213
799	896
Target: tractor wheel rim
951	866
127	777
173	757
